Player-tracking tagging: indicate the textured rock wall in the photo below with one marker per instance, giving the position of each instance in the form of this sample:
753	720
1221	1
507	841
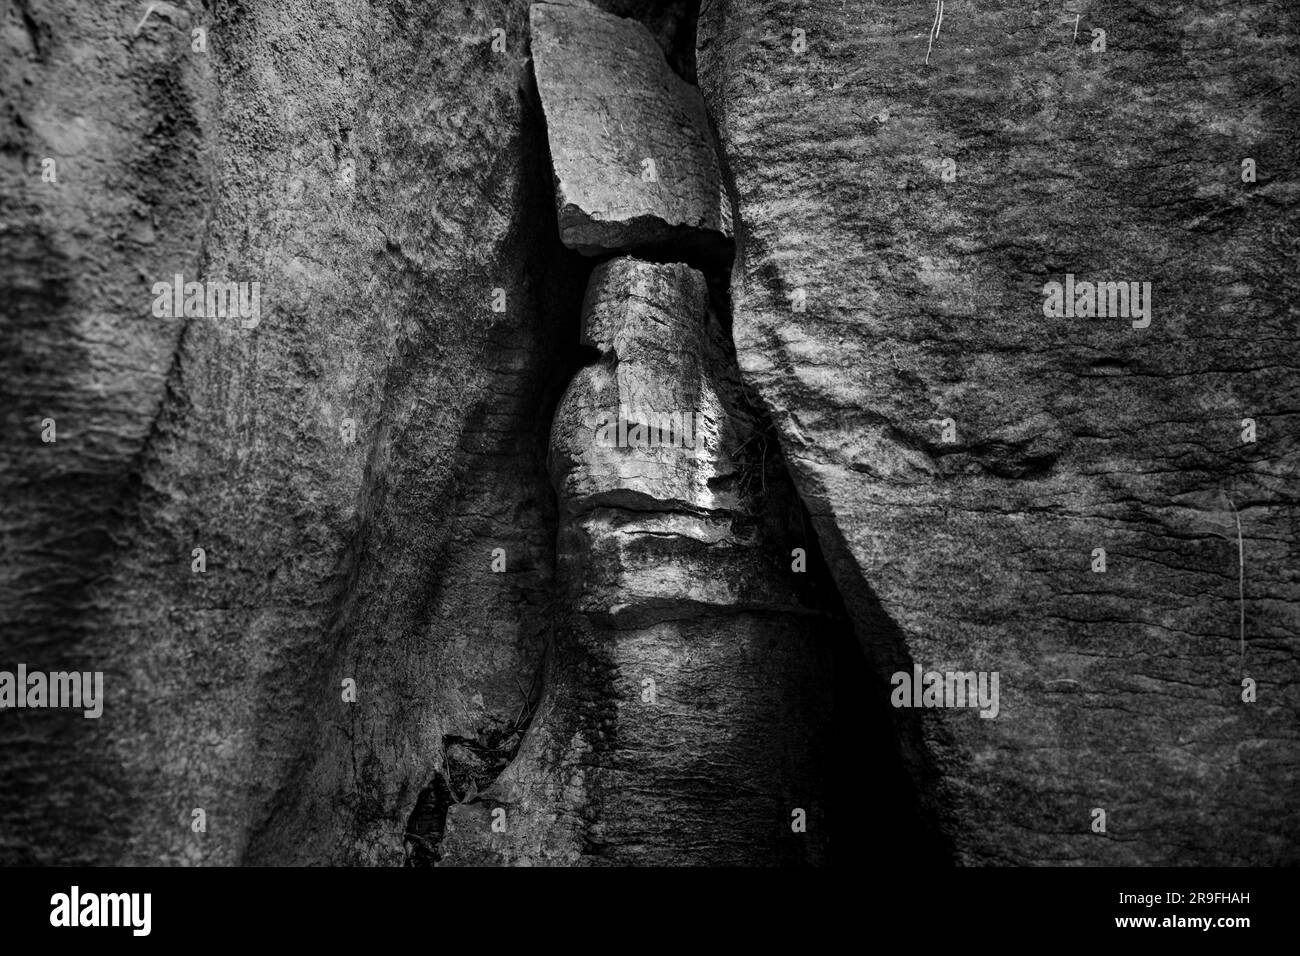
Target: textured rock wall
352	463
106	178
376	169
963	454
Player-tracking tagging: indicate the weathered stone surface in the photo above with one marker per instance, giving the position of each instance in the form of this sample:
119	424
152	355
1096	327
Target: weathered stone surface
631	149
308	150
381	170
670	22
687	696
379	214
648	429
640	568
1119	690
648	322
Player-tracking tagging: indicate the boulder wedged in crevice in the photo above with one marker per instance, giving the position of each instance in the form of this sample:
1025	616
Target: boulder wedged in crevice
633	162
700	703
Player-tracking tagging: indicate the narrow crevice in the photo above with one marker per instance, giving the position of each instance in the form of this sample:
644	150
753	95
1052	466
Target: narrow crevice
868	778
871	778
470	765
855	769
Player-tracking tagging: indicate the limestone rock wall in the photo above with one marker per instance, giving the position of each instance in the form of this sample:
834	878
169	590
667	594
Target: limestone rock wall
364	570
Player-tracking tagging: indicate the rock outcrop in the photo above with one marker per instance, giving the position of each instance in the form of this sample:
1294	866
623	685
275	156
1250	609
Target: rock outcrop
348	466
686	704
967	458
320	552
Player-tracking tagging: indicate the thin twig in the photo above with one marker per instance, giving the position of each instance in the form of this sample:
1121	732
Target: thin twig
151	9
1241	581
934	29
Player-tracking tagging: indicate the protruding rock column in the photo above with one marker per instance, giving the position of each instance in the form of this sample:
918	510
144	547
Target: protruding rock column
687	693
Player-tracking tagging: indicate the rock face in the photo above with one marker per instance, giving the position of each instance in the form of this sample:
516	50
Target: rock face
356	583
687	702
630	145
966	457
105	174
348	466
658	513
